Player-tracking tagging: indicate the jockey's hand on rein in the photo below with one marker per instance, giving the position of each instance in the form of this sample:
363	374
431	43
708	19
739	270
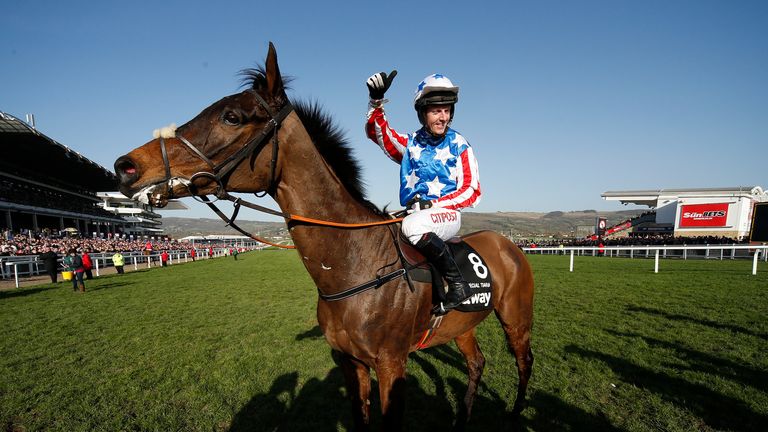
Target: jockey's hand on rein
379	83
416	203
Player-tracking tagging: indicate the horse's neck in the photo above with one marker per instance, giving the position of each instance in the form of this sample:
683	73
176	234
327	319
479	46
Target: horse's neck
336	258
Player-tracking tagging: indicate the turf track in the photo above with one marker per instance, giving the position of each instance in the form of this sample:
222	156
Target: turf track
224	345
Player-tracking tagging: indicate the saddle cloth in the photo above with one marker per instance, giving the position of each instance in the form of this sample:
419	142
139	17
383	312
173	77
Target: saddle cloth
471	265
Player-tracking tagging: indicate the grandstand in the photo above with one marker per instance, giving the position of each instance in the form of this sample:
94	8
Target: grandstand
139	218
47	187
723	212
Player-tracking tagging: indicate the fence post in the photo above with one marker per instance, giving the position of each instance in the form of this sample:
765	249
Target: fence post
685	253
706	255
15	271
96	261
656	264
733	251
571	260
135	264
754	261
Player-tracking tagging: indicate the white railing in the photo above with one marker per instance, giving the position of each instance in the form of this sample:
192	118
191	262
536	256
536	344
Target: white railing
30	265
685	252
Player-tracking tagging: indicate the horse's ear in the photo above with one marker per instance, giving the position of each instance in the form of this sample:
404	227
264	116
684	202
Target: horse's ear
274	79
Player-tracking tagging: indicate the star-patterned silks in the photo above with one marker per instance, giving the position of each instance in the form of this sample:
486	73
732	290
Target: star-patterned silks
411	180
443	154
415	151
430	169
453	173
459	141
435	186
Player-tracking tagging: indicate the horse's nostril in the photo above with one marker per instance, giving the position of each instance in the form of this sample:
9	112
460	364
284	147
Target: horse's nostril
124	167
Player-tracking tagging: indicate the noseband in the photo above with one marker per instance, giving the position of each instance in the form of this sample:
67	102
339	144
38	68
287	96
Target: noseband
219	172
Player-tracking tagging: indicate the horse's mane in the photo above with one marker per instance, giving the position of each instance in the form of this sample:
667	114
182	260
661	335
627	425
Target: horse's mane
327	136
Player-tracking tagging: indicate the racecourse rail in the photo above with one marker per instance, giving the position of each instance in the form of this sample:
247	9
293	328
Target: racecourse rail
685	252
30	265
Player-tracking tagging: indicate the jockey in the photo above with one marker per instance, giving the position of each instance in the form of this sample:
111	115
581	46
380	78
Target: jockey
438	172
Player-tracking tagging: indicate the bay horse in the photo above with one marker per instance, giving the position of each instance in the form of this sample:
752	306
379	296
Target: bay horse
257	141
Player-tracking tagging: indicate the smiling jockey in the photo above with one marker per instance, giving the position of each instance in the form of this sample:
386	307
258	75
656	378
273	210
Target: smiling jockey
438	172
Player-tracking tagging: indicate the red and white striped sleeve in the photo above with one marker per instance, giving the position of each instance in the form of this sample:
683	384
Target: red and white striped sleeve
378	130
467	193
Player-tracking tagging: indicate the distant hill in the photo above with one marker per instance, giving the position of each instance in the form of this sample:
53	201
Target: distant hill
177	227
536	225
517	224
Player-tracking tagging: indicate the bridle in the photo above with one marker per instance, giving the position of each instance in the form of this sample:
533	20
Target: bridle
219	172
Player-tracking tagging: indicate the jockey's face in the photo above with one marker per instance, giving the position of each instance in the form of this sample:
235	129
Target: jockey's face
437	118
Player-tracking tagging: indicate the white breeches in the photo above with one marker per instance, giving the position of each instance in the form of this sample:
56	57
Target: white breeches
443	222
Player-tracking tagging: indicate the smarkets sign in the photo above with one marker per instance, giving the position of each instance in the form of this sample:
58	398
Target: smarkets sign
703	215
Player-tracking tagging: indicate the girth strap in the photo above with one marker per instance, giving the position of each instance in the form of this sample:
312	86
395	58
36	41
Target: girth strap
376	283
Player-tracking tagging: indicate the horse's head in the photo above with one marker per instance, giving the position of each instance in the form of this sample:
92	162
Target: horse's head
209	154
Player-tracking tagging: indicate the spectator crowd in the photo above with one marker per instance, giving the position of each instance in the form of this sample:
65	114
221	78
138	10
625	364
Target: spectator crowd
651	240
38	243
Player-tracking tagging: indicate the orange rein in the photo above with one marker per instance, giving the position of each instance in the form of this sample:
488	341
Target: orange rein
238	202
327	223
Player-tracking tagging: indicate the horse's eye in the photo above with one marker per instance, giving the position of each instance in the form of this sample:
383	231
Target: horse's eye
231	118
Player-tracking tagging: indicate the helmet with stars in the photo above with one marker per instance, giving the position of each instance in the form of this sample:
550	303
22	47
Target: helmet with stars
436	89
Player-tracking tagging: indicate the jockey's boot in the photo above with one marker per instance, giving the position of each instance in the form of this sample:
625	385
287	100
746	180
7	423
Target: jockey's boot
436	251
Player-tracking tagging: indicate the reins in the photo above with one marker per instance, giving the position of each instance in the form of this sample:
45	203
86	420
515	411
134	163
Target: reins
237	202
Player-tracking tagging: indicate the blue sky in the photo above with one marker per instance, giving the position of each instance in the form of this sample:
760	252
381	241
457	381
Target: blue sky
561	100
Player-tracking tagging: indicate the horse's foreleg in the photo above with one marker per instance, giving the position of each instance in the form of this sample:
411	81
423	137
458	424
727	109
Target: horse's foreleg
390	372
358	382
467	344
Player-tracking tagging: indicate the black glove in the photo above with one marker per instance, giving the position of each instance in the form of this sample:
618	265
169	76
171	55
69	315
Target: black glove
379	83
416	203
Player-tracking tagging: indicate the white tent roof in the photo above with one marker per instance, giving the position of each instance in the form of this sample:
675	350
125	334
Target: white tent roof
656	197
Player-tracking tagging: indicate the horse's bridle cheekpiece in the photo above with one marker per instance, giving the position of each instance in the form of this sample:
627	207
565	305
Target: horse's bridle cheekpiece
220	171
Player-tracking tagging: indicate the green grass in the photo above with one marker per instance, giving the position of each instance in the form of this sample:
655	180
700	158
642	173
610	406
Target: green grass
224	345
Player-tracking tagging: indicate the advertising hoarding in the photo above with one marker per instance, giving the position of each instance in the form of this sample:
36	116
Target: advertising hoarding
703	215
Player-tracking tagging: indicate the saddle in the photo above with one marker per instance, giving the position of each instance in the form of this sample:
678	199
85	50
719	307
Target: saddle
471	265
